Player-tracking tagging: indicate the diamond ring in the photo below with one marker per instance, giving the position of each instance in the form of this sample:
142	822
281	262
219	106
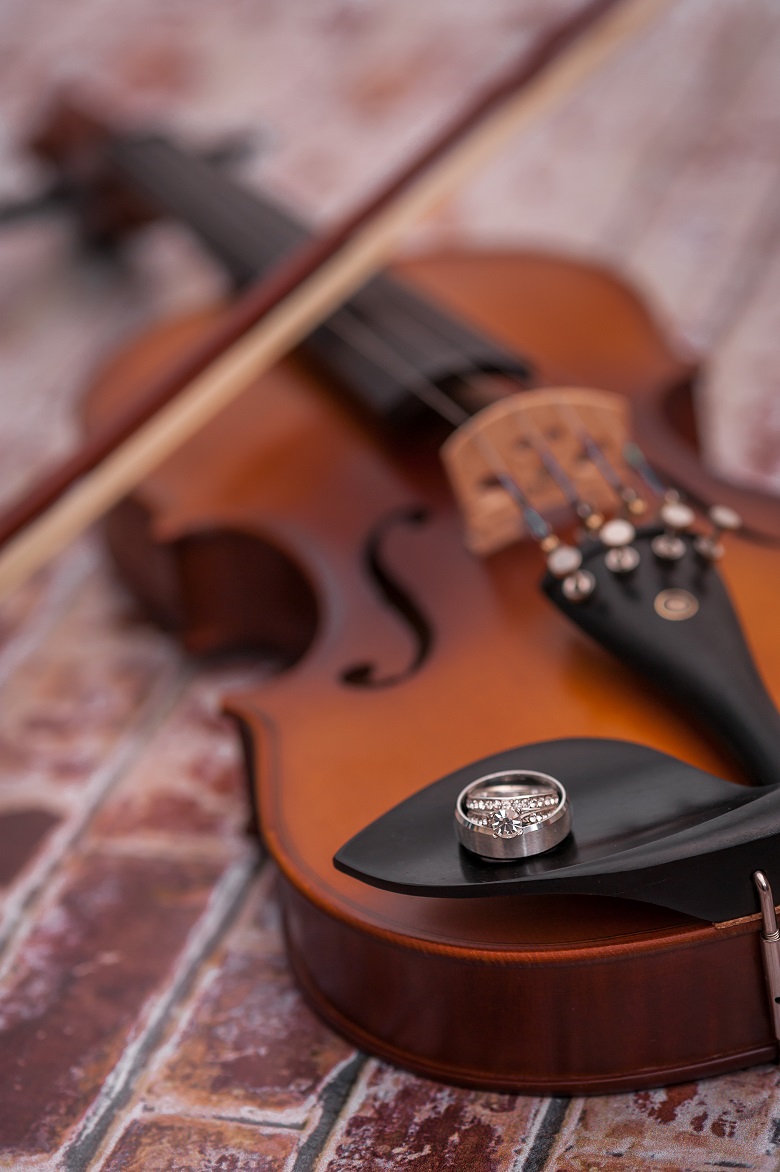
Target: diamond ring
512	815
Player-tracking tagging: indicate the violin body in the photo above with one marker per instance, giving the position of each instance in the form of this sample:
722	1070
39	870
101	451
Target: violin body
292	526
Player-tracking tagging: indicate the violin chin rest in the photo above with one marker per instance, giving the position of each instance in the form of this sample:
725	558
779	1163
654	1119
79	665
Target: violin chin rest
645	826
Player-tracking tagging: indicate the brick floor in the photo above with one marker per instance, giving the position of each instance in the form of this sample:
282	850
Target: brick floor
191	1145
393	1119
80	984
730	1122
147	1016
247	1047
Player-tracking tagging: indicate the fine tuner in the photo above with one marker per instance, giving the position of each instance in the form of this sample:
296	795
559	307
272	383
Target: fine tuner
537	454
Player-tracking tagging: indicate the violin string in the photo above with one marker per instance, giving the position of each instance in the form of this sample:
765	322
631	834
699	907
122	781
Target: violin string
356	333
352	330
367	341
632	453
345	324
596	455
537	526
600	460
556	471
371	342
591	448
637	460
553	467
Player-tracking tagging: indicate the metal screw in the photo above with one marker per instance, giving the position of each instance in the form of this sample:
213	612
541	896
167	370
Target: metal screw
563	561
617	535
678	518
724	520
577	587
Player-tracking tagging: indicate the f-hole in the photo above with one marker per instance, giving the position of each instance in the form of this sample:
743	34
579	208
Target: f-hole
369	675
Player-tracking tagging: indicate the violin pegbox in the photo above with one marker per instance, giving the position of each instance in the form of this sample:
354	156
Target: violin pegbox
521	459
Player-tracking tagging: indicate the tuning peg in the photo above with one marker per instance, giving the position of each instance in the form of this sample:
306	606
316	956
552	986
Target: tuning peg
621	556
565	563
678	518
724	520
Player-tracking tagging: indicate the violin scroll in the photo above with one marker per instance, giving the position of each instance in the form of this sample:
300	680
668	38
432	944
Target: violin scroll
105	176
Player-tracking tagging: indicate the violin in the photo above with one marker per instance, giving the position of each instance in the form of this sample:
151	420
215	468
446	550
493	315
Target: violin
314	520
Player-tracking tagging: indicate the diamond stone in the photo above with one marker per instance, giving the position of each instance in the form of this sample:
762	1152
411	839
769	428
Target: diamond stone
505	824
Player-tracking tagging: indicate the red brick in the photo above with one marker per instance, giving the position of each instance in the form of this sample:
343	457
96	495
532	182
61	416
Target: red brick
21	834
79	984
67	706
395	1120
166	1143
715	1123
250	1046
189	785
24	607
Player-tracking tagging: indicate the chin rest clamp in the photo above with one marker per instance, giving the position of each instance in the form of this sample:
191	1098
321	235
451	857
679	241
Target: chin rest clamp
770	947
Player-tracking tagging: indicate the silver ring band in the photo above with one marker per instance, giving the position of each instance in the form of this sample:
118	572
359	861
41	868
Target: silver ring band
512	815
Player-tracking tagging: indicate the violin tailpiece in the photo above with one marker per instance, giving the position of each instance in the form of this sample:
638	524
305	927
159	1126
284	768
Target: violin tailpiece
673	621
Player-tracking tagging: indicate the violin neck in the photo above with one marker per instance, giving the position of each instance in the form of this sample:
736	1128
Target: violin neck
246	235
380	347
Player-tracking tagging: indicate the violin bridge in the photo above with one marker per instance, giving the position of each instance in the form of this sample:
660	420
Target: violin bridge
512	443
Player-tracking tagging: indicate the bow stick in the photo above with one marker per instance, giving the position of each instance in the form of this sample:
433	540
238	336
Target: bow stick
274	315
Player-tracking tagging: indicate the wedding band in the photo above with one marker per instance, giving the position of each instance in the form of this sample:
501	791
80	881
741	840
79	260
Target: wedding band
512	815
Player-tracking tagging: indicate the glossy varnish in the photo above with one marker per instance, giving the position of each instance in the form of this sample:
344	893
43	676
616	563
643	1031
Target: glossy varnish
544	993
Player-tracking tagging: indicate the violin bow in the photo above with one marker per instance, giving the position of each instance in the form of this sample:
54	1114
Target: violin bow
275	314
